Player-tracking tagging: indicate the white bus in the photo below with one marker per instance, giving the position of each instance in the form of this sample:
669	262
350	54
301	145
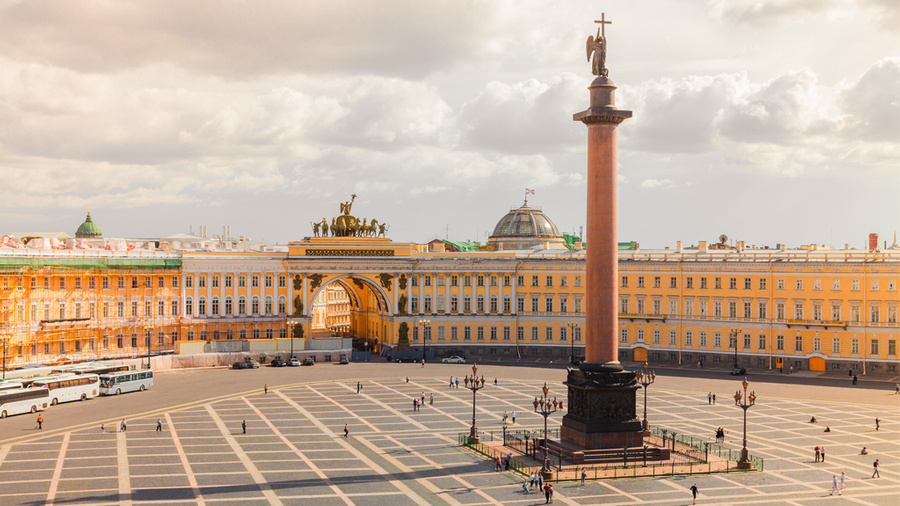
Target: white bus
23	400
70	387
125	381
10	385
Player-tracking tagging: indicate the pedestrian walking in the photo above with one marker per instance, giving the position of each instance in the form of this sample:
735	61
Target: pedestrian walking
357	387
362	389
834	485
123	426
505	416
514	417
583	475
709	398
423	398
498	466
791	370
876	465
346	430
877	423
243	426
266	389
158	425
495	381
548	493
451	381
506	460
415	404
457	382
102	428
818	454
843	477
431	399
525	486
423	362
407	380
822	449
896	388
40	422
714	398
540	481
694	492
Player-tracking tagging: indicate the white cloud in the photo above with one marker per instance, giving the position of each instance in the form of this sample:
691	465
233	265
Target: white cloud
656	183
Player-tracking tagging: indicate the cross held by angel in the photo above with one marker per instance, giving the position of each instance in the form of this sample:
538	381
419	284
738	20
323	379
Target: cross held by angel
596	46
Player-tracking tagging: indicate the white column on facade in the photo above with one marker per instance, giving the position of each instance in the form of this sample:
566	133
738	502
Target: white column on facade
396	309
305	296
434	276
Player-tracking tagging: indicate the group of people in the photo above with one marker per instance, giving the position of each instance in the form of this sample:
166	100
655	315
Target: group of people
507	416
711	398
454	382
720	435
418	402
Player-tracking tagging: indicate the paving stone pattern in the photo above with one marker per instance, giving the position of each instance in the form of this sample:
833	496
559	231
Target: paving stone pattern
295	452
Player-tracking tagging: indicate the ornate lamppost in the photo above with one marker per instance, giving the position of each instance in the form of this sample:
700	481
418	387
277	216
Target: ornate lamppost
424	324
572	326
645	379
744	401
545	407
474	384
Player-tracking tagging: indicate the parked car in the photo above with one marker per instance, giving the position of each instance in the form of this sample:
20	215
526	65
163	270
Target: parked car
738	371
408	358
252	364
454	360
308	361
240	365
344	360
277	362
293	362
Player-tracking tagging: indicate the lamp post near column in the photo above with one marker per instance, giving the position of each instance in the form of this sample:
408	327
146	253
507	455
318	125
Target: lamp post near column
424	324
572	326
744	401
474	384
545	407
645	379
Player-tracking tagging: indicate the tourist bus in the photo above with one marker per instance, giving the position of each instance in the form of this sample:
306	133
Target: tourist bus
23	400
10	385
70	387
125	381
98	368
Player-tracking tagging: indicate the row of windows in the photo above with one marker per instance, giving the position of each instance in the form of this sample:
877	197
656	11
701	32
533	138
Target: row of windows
492	280
548	306
761	341
63	310
745	309
494	332
214	306
78	282
747	283
268	281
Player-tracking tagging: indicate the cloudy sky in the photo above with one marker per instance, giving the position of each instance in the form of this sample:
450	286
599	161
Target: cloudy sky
771	121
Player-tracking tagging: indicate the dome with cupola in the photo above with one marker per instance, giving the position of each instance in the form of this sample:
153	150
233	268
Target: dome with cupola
88	229
524	228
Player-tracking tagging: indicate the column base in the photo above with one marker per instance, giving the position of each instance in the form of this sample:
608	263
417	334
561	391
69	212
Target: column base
602	408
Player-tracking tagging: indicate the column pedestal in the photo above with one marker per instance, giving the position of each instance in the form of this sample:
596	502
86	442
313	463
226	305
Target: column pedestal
602	410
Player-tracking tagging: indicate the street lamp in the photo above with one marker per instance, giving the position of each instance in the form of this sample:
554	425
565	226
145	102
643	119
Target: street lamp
744	401
734	336
474	384
424	324
545	408
645	379
572	326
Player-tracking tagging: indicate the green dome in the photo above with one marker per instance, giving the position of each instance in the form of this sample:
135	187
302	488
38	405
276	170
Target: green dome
88	229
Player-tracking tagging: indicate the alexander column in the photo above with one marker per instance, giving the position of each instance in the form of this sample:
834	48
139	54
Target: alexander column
602	409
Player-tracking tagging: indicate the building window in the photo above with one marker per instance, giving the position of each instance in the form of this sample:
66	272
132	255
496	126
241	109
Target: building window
656	281
268	307
188	306
454	280
762	283
798	310
673	337
440	300
427	280
454	304
779	343
874	286
520	280
493	280
493	306
467	304
254	283
689	282
779	310
282	281
577	281
426	304
702	338
507	304
874	347
732	309
229	306
479	304
747	309
762	342
718	284
479	280
875	313
689	338
548	334
656	306
254	305
640	305
548	304
534	333
798	343
703	283
732	283
506	333
623	304
798	284
717	308
817	285
242	281
454	333
640	282
655	336
623	335
892	347
480	333
215	281
201	306
414	304
640	335
562	281
549	281
762	310
577	305
467	333
242	306
854	346
673	282
534	281
269	284
520	333
467	280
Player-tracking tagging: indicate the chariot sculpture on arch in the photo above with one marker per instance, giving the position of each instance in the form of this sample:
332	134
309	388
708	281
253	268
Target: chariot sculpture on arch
347	225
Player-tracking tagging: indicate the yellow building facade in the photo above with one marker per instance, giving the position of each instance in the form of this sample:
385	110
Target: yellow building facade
804	308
